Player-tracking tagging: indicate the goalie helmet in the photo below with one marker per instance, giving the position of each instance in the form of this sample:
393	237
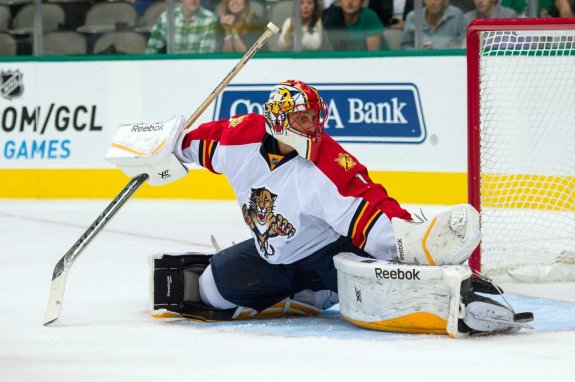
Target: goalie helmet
296	97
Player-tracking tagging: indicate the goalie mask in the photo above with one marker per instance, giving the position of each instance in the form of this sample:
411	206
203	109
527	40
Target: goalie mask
307	114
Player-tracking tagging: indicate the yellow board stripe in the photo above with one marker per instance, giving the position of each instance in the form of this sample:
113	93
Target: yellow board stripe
424	242
441	188
106	184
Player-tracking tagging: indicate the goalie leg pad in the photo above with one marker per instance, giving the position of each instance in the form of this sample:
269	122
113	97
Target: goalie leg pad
165	288
400	298
448	238
420	299
175	293
286	307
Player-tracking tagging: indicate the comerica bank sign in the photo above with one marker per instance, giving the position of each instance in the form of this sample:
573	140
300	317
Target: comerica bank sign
360	113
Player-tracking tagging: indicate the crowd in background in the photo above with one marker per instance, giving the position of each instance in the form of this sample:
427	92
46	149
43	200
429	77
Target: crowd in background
209	26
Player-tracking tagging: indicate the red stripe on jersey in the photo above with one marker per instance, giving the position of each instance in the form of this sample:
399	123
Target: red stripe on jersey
363	222
238	130
352	179
206	151
201	157
368	228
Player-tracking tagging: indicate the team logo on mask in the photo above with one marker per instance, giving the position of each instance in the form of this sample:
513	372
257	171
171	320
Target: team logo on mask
345	161
259	216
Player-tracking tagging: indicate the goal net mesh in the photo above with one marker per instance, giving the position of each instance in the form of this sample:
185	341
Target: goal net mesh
527	153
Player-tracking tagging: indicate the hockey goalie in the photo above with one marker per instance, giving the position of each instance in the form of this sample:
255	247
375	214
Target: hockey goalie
322	231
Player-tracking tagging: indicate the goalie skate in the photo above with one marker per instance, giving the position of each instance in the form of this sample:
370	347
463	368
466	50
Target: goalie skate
488	316
484	315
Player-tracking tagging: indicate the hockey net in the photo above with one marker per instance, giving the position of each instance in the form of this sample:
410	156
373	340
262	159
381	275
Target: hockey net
521	135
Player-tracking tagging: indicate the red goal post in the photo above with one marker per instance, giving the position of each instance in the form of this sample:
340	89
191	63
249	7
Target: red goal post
521	146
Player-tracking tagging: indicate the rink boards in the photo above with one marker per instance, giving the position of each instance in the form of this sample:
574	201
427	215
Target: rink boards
57	119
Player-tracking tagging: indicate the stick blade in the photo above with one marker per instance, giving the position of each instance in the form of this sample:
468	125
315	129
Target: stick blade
55	300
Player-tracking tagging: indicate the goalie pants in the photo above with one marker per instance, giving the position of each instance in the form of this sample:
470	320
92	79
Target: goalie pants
244	278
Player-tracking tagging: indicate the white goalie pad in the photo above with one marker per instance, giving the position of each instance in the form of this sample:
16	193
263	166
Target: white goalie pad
147	148
447	239
385	296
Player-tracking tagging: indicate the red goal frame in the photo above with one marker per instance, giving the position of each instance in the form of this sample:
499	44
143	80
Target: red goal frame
473	100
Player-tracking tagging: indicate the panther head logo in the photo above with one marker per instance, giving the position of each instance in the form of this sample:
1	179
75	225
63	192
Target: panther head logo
259	216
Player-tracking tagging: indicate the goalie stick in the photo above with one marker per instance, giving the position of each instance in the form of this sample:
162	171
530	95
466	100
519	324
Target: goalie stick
63	266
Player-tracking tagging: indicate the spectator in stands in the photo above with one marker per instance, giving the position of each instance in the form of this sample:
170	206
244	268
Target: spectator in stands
210	5
352	27
312	29
556	8
463	5
194	30
443	27
392	13
488	9
141	5
239	26
545	8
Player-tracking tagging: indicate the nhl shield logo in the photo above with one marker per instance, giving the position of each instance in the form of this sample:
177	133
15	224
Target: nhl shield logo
11	85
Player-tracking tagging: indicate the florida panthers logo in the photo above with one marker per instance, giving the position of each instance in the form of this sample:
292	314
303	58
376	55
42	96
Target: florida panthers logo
275	113
259	216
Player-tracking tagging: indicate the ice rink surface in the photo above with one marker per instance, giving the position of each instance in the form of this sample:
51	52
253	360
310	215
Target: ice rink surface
106	334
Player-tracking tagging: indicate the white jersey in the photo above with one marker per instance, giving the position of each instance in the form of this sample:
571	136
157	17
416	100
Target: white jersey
293	206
